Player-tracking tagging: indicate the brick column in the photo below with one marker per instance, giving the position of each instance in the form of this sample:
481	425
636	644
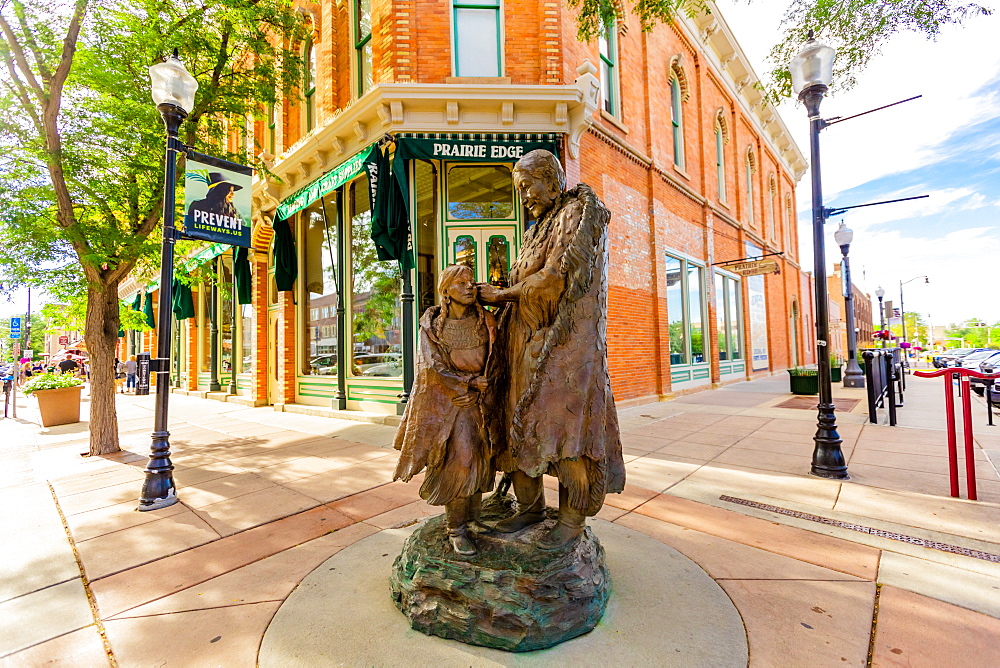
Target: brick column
284	348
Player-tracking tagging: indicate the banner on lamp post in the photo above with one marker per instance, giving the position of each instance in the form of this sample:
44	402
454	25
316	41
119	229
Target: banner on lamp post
217	205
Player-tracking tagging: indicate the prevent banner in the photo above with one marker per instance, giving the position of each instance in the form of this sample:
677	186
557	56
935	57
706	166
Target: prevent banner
217	203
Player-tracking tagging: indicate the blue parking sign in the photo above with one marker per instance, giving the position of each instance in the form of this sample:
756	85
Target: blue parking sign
15	328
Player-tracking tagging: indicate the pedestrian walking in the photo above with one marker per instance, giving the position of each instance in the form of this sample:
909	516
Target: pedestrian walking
131	366
120	375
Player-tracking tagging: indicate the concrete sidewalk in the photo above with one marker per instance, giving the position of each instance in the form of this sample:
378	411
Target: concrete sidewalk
884	568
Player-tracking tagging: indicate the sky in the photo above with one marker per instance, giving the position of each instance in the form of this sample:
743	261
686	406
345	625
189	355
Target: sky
945	145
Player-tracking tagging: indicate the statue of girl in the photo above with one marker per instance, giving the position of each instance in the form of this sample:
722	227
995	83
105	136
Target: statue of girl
443	428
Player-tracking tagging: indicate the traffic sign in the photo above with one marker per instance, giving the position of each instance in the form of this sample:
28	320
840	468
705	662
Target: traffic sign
63	340
15	328
17	348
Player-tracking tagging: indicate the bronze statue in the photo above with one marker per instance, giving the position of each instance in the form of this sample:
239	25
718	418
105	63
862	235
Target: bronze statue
549	405
443	427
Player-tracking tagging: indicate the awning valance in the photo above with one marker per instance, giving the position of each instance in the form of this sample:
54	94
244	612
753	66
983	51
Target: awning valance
466	147
347	170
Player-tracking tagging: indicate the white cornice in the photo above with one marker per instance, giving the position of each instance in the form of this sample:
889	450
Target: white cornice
710	32
429	108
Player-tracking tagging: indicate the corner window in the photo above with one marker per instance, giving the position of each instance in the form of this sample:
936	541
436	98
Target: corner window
677	121
363	44
309	86
477	38
685	310
609	72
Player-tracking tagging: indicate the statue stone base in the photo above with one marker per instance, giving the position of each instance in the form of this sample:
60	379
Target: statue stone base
510	595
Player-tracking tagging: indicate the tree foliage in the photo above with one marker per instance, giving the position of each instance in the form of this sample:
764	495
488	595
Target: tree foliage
975	333
81	144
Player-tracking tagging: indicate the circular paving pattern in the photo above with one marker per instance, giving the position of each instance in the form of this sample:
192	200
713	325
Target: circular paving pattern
664	611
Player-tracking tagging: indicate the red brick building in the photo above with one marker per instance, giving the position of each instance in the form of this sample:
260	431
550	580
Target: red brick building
667	127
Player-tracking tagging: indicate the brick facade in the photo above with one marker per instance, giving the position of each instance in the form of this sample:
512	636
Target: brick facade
657	206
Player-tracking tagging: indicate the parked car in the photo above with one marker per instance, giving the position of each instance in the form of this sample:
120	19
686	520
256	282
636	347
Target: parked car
987	365
324	365
948	357
379	365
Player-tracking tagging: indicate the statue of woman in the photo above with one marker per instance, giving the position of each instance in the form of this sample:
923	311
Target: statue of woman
443	427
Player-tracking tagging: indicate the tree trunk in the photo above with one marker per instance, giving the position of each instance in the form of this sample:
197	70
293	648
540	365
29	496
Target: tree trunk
102	338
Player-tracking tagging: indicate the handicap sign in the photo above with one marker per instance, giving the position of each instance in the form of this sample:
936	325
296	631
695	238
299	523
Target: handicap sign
15	328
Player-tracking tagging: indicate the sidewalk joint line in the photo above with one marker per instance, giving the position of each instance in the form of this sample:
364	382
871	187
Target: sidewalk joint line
91	600
871	638
881	533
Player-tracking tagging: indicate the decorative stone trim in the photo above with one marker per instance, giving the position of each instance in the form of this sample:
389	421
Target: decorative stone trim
722	124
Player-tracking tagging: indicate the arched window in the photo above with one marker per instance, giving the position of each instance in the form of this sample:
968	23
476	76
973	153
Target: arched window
772	192
791	239
721	139
308	86
750	165
272	129
677	121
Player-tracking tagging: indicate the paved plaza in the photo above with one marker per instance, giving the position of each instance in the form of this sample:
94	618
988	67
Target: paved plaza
884	569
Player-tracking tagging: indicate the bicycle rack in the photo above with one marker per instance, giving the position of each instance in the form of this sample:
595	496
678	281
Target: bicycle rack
962	375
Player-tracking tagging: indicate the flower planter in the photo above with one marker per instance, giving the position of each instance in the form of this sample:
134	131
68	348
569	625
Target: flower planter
803	384
835	374
59	406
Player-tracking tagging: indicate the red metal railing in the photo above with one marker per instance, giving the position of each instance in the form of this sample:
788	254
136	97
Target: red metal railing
949	407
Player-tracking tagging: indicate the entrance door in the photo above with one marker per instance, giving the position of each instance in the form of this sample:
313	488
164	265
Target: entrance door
272	361
488	250
794	331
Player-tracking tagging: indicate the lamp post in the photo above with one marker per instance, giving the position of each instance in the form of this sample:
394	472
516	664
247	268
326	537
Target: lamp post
812	72
173	92
880	293
853	375
902	309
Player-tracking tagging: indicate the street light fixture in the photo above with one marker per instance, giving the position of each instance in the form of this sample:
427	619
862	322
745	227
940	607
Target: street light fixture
880	293
812	73
853	375
173	90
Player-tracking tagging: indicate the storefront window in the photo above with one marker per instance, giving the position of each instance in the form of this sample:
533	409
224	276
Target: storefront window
675	311
727	316
204	324
319	248
695	327
685	310
375	306
425	186
480	192
246	350
225	315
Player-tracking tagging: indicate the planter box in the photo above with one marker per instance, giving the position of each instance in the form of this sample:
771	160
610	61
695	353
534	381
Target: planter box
59	406
835	374
803	384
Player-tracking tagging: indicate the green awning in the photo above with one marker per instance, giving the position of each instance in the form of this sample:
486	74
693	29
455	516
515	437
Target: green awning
347	170
207	253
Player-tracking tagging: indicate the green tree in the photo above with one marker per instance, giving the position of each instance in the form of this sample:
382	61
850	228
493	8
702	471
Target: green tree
82	144
916	328
976	333
858	29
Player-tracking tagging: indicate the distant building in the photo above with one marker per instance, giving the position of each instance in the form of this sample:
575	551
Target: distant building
864	326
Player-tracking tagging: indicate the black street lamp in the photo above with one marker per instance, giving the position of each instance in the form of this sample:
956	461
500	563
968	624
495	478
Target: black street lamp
812	72
880	293
853	375
173	93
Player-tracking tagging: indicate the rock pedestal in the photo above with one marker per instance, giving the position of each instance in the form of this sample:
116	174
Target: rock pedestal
509	596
